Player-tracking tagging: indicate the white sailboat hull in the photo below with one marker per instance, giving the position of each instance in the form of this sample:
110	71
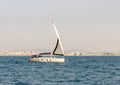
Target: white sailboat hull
47	59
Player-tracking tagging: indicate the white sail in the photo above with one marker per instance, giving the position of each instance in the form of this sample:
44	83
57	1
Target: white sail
58	50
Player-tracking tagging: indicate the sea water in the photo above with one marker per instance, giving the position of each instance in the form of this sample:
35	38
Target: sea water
75	71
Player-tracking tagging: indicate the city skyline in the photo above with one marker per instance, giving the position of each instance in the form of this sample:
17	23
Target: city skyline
83	24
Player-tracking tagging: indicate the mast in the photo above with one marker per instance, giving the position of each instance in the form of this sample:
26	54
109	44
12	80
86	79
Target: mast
51	36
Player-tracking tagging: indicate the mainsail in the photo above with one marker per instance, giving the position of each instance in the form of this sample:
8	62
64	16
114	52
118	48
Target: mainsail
58	50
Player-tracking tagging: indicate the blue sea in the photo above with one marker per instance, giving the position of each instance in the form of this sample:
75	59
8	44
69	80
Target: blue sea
85	70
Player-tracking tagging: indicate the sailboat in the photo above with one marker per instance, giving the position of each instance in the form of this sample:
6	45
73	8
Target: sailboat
56	54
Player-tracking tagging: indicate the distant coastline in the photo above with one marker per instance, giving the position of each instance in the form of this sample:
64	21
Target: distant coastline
94	54
17	53
29	53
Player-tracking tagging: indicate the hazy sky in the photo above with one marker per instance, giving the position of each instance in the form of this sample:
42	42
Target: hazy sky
83	24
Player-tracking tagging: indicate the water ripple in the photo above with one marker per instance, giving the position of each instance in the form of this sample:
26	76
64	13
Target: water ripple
75	71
